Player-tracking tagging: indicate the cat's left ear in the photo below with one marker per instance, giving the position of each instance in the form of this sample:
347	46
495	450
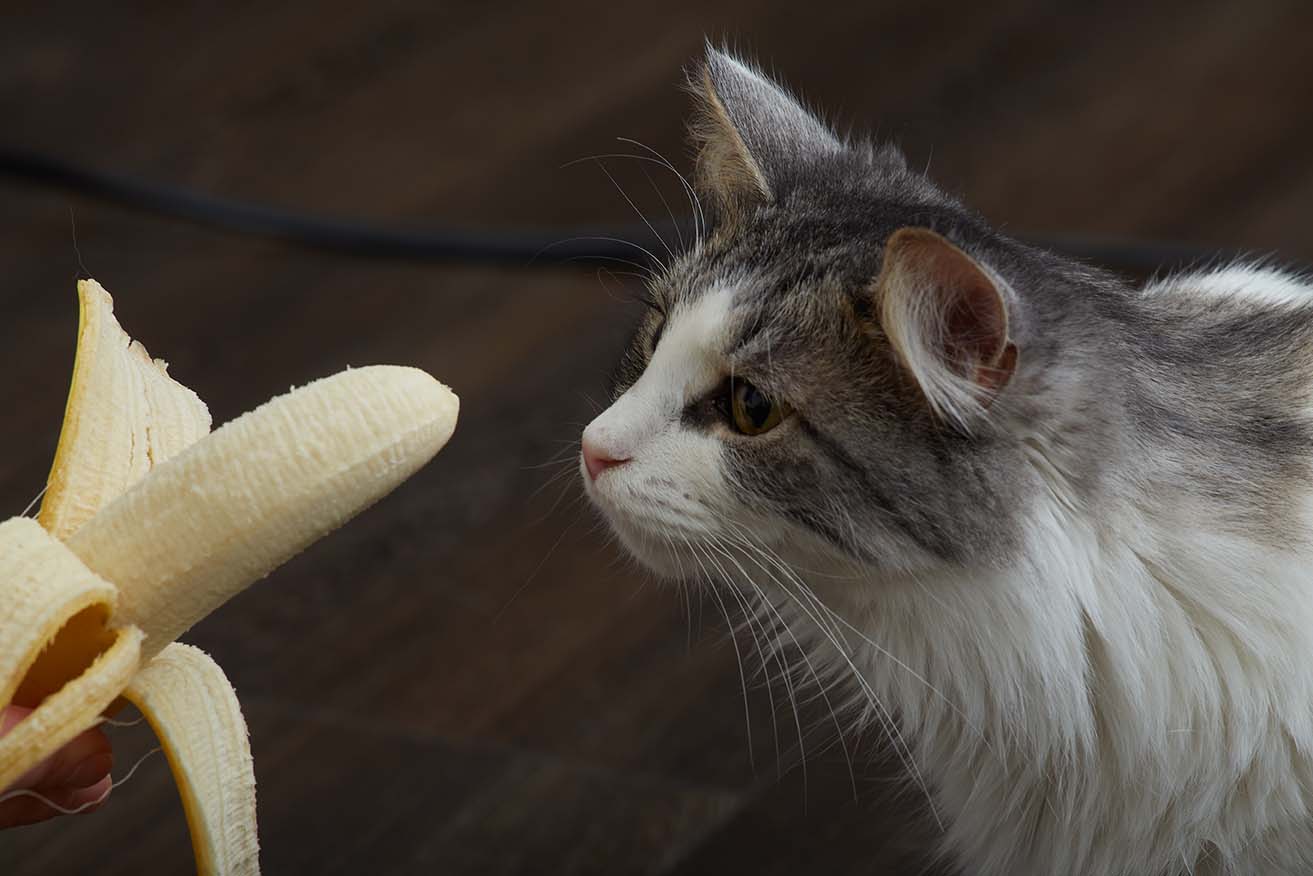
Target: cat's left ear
751	135
946	316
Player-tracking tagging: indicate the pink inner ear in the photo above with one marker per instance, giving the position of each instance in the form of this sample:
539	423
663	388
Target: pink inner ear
973	333
975	327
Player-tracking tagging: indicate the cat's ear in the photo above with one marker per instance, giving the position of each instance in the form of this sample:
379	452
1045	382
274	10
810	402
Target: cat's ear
750	134
946	316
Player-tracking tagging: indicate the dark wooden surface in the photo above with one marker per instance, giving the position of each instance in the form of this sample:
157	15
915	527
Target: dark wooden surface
468	679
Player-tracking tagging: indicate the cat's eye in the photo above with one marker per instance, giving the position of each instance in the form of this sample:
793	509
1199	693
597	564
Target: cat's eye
752	411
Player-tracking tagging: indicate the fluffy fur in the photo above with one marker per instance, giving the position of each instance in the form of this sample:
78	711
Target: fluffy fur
1074	578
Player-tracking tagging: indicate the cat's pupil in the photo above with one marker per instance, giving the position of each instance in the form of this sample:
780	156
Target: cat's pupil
756	406
751	411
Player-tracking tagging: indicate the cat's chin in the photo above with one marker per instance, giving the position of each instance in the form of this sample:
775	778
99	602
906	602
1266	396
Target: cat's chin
649	550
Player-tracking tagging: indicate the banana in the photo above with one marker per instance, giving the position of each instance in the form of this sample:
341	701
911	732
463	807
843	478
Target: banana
150	523
124	414
242	501
193	709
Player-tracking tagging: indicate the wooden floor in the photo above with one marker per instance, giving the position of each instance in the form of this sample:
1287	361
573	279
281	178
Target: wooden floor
469	679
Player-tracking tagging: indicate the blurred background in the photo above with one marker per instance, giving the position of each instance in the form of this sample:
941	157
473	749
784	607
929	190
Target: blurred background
469	679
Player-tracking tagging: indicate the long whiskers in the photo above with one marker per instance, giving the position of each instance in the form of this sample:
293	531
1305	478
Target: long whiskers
752	622
720	545
700	218
786	674
536	569
568	455
655	157
882	713
601	238
738	656
641	214
840	620
674	221
641	271
565	469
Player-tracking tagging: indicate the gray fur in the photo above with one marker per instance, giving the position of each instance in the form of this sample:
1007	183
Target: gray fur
1084	594
1166	395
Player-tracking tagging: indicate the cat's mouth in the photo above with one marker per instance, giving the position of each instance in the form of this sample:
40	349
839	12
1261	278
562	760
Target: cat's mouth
654	530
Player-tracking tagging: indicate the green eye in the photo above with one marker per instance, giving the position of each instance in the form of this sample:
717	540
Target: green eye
752	411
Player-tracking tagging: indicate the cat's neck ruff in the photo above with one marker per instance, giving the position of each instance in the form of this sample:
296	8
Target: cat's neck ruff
1127	652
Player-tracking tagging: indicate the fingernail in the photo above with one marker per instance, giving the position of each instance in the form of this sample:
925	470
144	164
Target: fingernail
90	771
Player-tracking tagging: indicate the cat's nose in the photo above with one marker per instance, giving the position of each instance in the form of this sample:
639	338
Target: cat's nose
597	460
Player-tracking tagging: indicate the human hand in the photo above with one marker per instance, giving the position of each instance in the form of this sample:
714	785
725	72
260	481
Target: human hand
75	776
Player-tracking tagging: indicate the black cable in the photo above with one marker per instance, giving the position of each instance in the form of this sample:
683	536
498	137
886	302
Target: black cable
521	247
341	236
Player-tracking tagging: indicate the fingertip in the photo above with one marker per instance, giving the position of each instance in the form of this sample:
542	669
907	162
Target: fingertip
22	811
84	760
90	770
92	796
92	741
10	716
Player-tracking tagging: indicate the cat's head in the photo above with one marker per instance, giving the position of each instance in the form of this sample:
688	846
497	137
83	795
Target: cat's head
822	374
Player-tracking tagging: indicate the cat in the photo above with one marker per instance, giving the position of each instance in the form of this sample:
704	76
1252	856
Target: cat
1056	524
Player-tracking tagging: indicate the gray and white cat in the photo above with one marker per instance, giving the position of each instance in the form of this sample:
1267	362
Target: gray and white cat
1059	525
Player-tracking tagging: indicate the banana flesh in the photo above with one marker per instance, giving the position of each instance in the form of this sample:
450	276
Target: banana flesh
150	523
46	591
245	499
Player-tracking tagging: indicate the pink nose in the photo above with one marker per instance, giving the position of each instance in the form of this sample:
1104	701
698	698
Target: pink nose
597	461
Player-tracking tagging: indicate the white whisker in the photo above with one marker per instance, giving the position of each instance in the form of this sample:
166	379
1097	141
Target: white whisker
749	617
785	673
674	220
820	686
602	239
700	219
883	715
630	202
743	678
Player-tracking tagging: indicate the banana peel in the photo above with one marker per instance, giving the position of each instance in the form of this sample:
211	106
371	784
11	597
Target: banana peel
150	522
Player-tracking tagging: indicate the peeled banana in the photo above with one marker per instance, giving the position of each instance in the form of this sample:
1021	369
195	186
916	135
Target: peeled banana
150	523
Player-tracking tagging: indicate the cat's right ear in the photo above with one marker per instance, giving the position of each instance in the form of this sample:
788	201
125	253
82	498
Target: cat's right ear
750	134
946	317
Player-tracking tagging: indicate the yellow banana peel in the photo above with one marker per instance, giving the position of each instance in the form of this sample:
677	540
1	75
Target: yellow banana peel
150	522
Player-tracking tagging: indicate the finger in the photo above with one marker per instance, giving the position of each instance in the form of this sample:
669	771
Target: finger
11	715
29	809
92	796
19	811
83	762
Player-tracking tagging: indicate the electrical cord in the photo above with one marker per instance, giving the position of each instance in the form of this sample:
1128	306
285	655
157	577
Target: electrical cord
522	247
